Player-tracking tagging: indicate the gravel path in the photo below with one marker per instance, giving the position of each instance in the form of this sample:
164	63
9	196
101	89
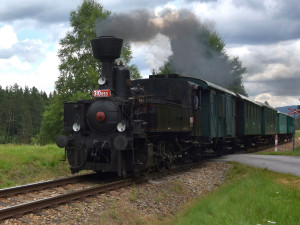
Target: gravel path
141	204
279	163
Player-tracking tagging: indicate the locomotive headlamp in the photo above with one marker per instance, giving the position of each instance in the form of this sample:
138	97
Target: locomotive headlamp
76	127
121	127
101	80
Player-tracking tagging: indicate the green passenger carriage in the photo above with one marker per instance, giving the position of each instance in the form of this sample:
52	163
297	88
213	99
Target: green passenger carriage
269	120
282	123
285	126
249	117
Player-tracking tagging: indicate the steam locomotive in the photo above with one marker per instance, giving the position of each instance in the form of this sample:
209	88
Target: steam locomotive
151	124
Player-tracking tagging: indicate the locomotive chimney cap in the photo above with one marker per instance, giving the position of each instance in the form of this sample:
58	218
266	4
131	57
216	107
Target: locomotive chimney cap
106	48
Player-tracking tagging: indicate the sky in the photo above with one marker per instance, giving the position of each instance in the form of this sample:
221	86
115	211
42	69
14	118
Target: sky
264	34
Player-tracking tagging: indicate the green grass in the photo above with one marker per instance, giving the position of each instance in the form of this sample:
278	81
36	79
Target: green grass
21	164
297	134
292	153
250	196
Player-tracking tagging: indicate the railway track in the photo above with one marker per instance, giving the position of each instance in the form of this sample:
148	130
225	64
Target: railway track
32	206
15	210
23	189
19	200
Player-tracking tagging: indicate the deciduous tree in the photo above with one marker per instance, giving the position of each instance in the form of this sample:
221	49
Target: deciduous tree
79	71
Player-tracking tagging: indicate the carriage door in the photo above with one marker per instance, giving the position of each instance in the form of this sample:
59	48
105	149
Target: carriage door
230	115
221	118
197	115
213	115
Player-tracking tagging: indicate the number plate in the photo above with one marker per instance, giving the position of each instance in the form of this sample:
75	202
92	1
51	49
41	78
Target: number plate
101	93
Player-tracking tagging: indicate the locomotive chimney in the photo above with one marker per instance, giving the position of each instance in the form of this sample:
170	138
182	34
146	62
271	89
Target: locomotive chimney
107	49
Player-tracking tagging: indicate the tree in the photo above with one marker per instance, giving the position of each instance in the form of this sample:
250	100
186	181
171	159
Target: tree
79	70
134	72
167	67
20	114
215	50
237	70
26	132
52	121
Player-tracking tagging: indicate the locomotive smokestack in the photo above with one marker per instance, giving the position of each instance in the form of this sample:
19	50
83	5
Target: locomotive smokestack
107	49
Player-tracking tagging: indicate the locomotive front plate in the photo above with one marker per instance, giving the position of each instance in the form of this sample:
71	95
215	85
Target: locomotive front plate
101	93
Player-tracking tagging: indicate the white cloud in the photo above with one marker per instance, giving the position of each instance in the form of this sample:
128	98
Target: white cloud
42	76
47	72
273	71
277	101
13	63
7	37
270	62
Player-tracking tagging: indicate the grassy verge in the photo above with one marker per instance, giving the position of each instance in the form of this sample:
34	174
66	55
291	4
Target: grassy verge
292	153
250	196
21	164
297	134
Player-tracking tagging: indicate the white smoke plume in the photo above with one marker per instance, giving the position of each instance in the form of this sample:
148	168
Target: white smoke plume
158	50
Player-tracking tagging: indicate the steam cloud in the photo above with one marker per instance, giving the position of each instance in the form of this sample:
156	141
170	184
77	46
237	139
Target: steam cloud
172	31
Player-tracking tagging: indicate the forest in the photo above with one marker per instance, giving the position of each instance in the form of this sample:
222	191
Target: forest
21	114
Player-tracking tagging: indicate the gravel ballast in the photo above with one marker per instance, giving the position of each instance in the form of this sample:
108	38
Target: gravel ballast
144	203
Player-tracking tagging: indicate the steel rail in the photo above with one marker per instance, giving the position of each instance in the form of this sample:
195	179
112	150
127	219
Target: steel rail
41	185
19	210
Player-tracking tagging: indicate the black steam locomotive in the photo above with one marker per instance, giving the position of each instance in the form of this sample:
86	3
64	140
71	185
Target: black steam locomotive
133	126
125	128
